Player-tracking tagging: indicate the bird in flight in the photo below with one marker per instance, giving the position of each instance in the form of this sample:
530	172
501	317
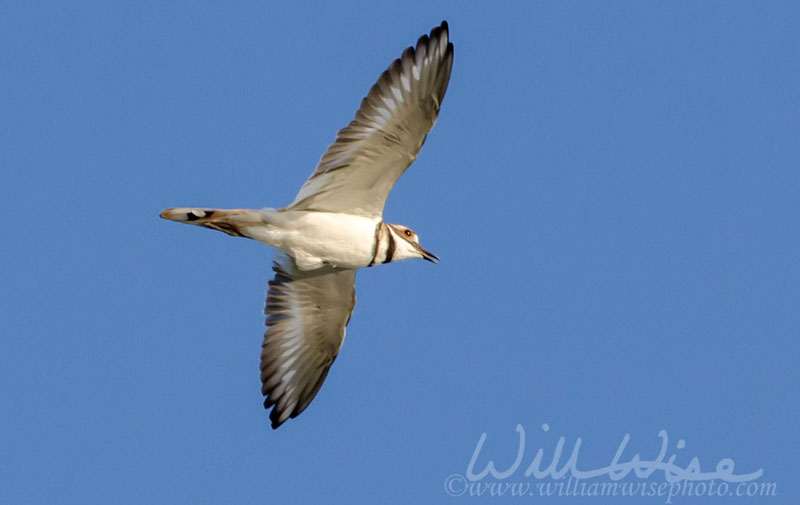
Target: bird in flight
335	225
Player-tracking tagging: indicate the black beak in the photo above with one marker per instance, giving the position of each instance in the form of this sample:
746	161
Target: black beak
429	256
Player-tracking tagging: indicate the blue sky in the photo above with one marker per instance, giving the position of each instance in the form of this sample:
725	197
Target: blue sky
612	188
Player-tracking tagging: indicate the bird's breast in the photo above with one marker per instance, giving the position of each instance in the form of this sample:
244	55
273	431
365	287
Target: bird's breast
342	240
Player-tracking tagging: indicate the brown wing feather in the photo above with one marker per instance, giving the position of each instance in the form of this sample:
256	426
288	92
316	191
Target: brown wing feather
357	172
306	317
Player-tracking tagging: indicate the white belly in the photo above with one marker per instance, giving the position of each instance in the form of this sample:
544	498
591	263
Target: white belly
317	238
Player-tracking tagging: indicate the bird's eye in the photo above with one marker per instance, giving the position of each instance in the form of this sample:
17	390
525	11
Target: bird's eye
408	233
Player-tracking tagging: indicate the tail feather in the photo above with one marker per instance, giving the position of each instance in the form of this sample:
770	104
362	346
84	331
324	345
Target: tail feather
230	221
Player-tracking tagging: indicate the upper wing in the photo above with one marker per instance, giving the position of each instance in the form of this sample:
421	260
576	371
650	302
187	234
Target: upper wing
307	312
358	170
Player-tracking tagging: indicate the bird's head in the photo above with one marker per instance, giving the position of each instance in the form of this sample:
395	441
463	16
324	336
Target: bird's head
407	244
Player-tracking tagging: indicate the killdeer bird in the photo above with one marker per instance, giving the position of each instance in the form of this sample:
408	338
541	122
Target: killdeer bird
335	226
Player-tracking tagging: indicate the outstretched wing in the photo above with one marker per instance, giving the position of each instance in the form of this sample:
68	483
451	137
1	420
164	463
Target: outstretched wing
307	312
358	170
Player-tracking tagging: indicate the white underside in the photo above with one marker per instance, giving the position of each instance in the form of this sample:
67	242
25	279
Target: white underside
314	239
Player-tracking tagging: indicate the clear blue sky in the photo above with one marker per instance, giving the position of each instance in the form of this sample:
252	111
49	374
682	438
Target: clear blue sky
612	188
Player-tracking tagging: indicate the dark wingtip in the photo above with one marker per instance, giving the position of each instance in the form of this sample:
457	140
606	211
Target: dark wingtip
442	28
274	417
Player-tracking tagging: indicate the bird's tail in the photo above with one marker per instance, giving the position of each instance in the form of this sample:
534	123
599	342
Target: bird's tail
230	221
